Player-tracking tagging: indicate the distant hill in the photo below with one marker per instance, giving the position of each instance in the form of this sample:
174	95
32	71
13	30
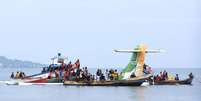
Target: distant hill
14	63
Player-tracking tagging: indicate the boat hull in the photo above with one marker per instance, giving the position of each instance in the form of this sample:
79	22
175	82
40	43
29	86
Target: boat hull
105	83
130	82
174	82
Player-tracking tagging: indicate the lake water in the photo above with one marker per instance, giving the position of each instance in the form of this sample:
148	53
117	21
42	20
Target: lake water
75	93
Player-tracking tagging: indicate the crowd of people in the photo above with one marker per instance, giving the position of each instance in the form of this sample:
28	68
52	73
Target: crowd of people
165	76
108	75
18	75
74	72
83	74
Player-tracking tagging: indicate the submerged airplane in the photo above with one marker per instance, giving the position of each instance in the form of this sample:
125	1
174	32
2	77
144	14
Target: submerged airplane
137	61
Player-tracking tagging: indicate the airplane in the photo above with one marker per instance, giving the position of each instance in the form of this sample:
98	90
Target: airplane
137	61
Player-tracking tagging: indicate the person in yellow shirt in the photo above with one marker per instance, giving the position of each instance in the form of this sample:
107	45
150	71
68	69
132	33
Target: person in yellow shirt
170	77
116	75
17	75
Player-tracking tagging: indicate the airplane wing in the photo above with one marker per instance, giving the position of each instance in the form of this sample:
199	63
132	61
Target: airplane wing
135	51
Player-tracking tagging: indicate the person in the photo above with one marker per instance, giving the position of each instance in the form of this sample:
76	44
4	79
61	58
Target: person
107	74
191	75
116	75
62	66
102	77
57	74
12	75
161	76
177	77
17	75
73	75
69	65
78	73
111	74
60	73
66	74
154	78
144	67
132	75
23	75
93	77
50	73
85	71
20	75
44	70
165	75
88	77
158	78
98	73
149	70
170	77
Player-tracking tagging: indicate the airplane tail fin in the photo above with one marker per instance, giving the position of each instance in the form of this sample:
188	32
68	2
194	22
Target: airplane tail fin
136	62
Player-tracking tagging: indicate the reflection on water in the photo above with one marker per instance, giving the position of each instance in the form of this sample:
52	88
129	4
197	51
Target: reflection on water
137	93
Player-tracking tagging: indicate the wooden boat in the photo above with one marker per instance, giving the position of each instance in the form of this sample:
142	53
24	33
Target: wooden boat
137	81
174	82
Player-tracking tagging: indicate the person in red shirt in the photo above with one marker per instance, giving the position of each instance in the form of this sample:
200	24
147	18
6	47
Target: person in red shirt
66	74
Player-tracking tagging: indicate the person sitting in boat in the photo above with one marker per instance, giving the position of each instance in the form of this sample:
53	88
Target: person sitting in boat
66	74
57	74
149	70
73	75
17	75
158	78
85	71
102	77
12	76
107	74
111	74
50	74
78	71
44	70
23	75
176	77
63	65
98	73
88	77
60	73
20	75
161	75
191	75
69	65
165	75
133	75
145	69
116	75
170	77
93	77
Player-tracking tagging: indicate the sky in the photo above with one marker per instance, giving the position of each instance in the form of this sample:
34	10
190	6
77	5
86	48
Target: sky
36	30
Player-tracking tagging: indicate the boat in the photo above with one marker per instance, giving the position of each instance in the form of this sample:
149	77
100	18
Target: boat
43	77
187	81
130	82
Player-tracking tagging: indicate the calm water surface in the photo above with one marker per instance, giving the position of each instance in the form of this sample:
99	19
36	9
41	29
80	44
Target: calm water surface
73	93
